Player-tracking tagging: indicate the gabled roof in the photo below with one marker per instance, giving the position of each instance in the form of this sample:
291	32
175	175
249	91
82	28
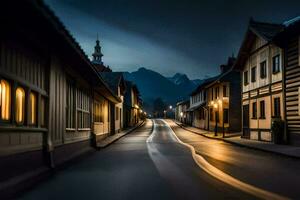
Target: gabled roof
187	101
114	80
41	20
127	97
203	84
292	28
266	31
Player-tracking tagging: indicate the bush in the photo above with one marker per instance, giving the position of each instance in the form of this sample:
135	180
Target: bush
277	129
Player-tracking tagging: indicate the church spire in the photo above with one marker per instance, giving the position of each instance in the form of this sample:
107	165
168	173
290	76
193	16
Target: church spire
97	55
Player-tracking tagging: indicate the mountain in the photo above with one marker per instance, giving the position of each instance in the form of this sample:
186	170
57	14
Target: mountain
184	82
153	85
179	78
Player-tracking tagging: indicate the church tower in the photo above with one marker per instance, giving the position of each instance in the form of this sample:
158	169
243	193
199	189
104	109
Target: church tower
97	55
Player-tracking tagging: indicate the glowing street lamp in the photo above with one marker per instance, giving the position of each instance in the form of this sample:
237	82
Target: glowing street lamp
170	107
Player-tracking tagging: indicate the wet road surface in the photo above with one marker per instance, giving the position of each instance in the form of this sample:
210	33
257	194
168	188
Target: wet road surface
144	164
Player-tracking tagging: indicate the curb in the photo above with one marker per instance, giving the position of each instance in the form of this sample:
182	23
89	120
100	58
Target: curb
241	145
129	131
181	126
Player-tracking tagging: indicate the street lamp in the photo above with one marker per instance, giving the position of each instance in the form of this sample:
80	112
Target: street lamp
216	118
170	107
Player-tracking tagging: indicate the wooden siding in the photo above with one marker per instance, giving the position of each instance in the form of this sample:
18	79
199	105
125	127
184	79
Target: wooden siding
57	102
26	68
292	82
57	108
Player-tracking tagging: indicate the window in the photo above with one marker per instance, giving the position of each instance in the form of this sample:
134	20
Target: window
33	106
20	105
254	110
276	64
253	74
70	106
225	91
277	107
217	92
226	115
262	110
83	110
43	111
5	95
212	94
263	69
246	81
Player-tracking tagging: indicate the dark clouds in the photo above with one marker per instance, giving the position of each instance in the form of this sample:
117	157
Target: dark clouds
192	37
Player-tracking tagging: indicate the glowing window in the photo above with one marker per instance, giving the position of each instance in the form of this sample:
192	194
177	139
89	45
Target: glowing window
20	105
5	100
33	103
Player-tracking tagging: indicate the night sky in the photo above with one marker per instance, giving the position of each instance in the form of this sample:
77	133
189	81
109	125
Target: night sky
191	37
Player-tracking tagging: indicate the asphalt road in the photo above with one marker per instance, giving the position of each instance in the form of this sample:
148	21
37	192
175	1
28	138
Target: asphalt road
267	171
137	167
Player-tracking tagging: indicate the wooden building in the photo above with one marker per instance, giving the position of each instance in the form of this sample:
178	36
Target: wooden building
51	96
223	96
199	106
182	114
132	104
261	63
289	40
116	83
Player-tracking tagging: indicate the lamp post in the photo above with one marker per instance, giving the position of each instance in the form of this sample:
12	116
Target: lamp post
216	118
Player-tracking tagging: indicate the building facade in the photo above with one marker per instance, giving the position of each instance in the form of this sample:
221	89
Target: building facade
132	105
199	106
116	83
261	64
223	96
51	96
182	112
289	41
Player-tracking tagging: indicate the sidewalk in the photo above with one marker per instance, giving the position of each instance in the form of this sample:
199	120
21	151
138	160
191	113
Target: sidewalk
208	134
285	150
109	140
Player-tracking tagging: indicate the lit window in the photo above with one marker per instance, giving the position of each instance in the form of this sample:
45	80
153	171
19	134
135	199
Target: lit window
5	100
20	105
33	100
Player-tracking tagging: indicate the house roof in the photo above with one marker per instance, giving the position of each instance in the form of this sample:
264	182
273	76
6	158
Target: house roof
266	31
36	12
127	97
187	101
292	28
114	80
203	84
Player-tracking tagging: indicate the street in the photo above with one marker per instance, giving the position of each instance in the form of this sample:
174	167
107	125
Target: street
142	165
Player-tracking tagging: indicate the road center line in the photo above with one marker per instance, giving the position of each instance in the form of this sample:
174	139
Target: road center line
222	176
